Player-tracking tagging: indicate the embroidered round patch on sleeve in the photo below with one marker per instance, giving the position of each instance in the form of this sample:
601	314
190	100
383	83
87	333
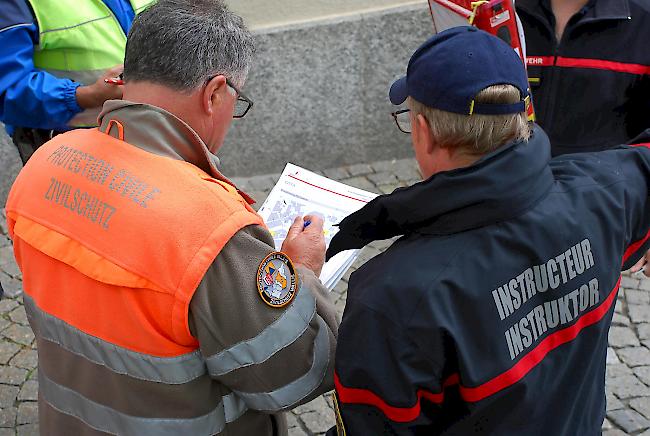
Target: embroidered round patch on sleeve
277	281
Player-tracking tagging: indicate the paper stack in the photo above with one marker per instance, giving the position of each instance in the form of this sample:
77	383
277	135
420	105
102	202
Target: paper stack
302	192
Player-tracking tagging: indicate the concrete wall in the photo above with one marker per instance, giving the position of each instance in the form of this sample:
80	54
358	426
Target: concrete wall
320	83
321	92
260	14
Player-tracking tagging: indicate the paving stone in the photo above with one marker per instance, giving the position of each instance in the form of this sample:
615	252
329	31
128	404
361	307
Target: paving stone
8	262
7	432
629	282
384	166
617	370
645	284
4	323
634	356
622	337
337	173
20	334
28	430
12	287
358	170
19	316
639	314
387	189
8	417
7	351
643	373
7	305
382	178
643	330
630	421
292	420
627	386
27	413
361	183
297	431
613	403
619	319
26	359
614	432
607	425
641	405
8	396
29	391
618	308
317	404
634	296
318	422
12	376
340	288
612	358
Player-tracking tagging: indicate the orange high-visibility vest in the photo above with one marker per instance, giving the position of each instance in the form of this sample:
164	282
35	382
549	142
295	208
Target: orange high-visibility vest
114	240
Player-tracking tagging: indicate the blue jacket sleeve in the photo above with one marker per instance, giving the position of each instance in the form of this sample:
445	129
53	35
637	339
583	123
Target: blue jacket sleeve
29	97
383	380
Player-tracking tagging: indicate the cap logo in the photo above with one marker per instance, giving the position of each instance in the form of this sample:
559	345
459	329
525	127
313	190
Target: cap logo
277	280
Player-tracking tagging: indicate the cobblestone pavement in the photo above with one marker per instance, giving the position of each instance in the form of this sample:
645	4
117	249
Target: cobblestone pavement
628	360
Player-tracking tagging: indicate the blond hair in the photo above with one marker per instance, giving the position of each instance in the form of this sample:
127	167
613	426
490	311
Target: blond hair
477	134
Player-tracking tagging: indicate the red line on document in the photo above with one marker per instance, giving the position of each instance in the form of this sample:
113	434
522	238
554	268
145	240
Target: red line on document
324	189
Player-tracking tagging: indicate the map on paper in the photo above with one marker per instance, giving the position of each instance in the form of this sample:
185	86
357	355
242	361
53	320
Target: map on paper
302	192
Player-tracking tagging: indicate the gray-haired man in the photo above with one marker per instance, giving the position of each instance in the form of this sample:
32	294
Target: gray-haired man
159	304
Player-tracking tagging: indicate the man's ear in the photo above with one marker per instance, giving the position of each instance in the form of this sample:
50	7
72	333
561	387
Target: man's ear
213	94
423	133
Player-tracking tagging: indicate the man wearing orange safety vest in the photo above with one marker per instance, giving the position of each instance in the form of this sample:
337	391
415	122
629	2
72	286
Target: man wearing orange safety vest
158	302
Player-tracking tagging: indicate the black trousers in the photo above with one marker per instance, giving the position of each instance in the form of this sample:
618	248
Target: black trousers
28	140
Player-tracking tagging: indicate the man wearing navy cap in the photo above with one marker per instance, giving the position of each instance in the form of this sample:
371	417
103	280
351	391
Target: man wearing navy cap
490	314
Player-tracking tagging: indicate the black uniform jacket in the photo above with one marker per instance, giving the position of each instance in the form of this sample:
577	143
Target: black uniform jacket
490	314
591	90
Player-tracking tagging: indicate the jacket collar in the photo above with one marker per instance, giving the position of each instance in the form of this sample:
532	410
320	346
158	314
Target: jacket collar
157	131
597	10
498	187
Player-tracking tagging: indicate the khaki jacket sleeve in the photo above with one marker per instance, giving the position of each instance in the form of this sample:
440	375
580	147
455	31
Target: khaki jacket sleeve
272	358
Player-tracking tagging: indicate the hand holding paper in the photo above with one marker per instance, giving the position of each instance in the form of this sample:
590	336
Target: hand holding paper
305	245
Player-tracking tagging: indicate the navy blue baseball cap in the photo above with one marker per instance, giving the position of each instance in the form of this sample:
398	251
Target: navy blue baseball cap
452	67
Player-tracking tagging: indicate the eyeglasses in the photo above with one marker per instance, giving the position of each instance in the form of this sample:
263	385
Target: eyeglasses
243	103
403	120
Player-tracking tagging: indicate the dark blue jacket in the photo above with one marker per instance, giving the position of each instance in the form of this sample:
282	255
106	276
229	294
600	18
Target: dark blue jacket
490	314
591	90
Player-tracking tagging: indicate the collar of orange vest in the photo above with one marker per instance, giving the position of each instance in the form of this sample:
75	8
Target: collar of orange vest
157	131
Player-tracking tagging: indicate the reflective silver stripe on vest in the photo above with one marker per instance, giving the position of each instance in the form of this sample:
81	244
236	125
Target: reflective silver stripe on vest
109	420
234	407
173	370
298	389
282	333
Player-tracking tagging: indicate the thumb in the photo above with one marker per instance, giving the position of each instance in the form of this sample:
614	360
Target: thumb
295	229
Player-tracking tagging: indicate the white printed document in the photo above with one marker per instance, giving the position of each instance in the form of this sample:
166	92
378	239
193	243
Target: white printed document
301	192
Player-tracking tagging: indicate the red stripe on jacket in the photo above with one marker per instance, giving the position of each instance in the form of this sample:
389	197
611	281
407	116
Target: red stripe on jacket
502	381
597	64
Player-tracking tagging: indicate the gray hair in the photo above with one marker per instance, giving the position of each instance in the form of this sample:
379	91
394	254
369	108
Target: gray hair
182	43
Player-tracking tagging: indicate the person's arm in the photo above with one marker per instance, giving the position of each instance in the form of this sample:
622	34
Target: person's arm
383	379
273	358
635	165
30	97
